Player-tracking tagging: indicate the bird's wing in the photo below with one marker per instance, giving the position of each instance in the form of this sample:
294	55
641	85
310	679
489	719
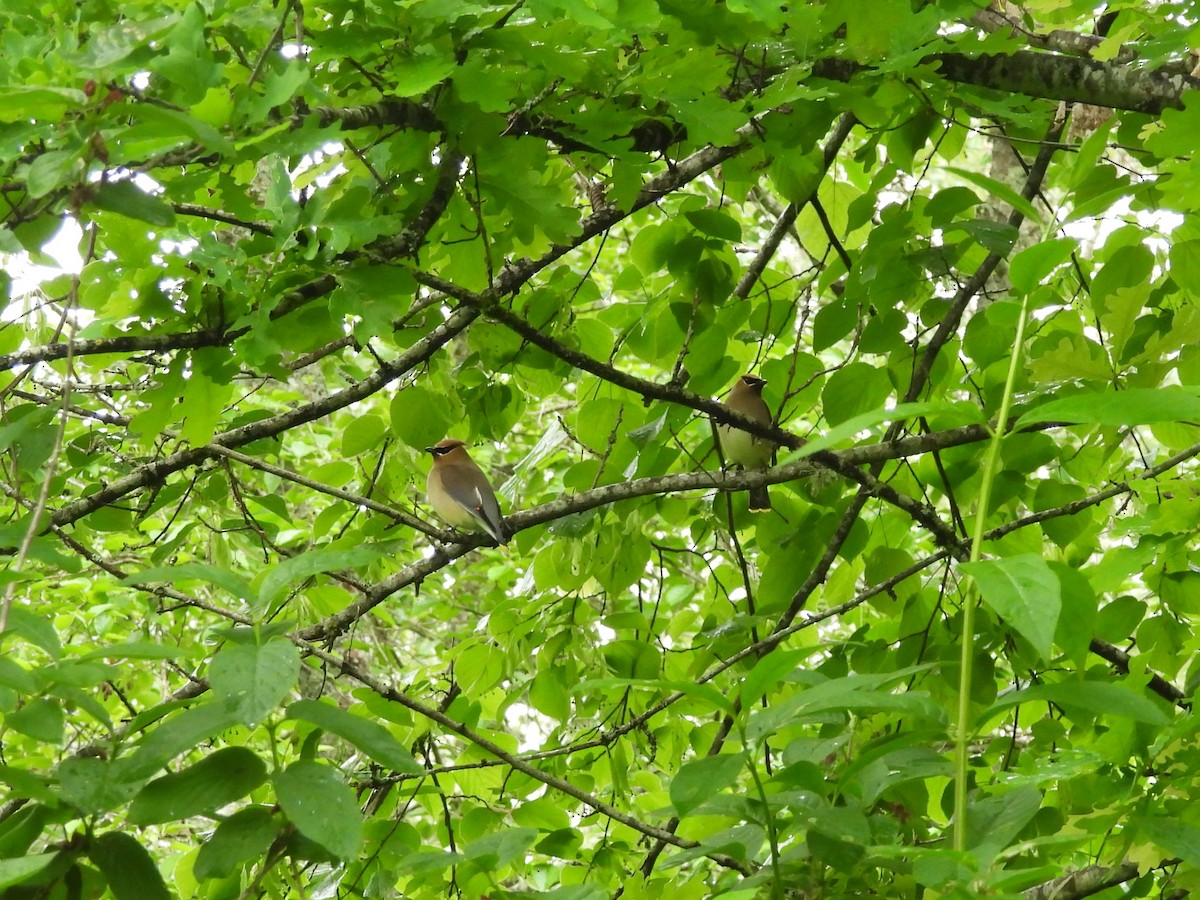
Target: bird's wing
480	503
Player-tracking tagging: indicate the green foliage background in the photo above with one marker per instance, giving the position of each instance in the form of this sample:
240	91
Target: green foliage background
241	660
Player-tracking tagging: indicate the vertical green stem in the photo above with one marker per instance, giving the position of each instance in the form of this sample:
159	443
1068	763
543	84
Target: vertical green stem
990	469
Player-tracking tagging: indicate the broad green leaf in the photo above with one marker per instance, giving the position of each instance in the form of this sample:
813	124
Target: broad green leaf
1025	592
957	413
214	575
317	800
177	734
543	814
305	565
52	170
853	390
1185	264
20	102
715	223
128	868
94	785
243	837
702	779
994	823
495	851
548	694
26	783
633	659
40	719
1136	406
221	777
252	679
111	42
852	693
363	434
999	190
418	75
369	737
1096	697
36	629
126	199
1175	836
1029	267
768	673
140	650
995	237
741	842
14	872
15	676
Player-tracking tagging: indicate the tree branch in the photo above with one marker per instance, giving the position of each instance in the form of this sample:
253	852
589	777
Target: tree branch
1083	883
516	762
1047	76
156	471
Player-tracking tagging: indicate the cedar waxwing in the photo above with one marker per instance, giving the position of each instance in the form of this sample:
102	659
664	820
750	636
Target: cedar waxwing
741	447
460	493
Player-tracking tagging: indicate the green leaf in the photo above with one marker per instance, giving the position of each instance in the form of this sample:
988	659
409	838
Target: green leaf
140	650
1029	267
548	693
1136	406
633	659
128	868
416	76
851	693
38	630
952	413
495	851
95	785
178	734
1097	697
26	783
995	237
715	223
242	837
419	417
21	102
369	737
1000	190
127	199
1024	591
175	575
254	679
13	675
315	562
1175	836
51	170
994	823
321	805
768	673
17	871
222	777
363	434
702	779
40	719
1185	263
854	389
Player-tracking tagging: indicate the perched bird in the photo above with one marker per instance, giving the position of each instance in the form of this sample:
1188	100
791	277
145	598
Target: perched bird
460	493
741	447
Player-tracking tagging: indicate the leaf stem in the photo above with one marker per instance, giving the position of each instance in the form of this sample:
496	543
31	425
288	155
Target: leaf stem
990	470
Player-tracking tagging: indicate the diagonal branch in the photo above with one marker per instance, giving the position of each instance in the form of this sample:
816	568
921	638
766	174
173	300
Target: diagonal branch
516	762
156	471
458	545
1048	76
